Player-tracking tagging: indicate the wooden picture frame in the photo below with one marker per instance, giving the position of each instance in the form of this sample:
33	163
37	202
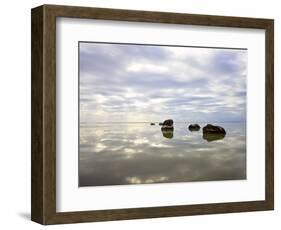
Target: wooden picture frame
43	207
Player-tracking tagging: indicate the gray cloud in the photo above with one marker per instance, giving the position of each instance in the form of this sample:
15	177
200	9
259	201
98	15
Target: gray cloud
144	83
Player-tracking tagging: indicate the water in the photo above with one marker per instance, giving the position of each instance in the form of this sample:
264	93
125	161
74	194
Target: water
138	153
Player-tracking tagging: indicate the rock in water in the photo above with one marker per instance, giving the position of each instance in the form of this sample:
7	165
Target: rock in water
213	129
167	125
168	122
152	123
194	127
160	123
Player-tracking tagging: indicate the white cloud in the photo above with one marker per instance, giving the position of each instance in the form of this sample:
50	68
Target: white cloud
151	83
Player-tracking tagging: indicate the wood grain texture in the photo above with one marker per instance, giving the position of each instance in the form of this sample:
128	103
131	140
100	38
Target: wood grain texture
37	115
269	116
43	158
44	114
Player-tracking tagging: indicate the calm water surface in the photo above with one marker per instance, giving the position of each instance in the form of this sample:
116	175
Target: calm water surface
138	153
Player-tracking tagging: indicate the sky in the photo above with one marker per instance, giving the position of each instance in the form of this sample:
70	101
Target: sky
145	83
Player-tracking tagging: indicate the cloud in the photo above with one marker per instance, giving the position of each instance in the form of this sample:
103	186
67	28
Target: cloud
151	83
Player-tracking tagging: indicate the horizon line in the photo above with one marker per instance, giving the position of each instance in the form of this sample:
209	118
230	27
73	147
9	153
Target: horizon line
157	121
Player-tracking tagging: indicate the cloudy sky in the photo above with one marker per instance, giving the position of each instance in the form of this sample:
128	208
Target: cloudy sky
139	83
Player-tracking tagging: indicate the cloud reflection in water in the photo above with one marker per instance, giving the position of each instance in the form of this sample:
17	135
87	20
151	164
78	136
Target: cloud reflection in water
137	153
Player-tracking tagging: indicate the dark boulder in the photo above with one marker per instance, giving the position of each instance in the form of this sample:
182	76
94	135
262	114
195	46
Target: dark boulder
168	125
168	122
160	123
213	129
194	127
152	123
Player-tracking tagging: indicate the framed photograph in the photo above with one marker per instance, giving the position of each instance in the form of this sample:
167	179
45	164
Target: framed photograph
139	114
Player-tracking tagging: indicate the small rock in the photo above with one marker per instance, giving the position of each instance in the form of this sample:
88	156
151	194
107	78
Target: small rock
194	127
167	125
213	129
168	122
